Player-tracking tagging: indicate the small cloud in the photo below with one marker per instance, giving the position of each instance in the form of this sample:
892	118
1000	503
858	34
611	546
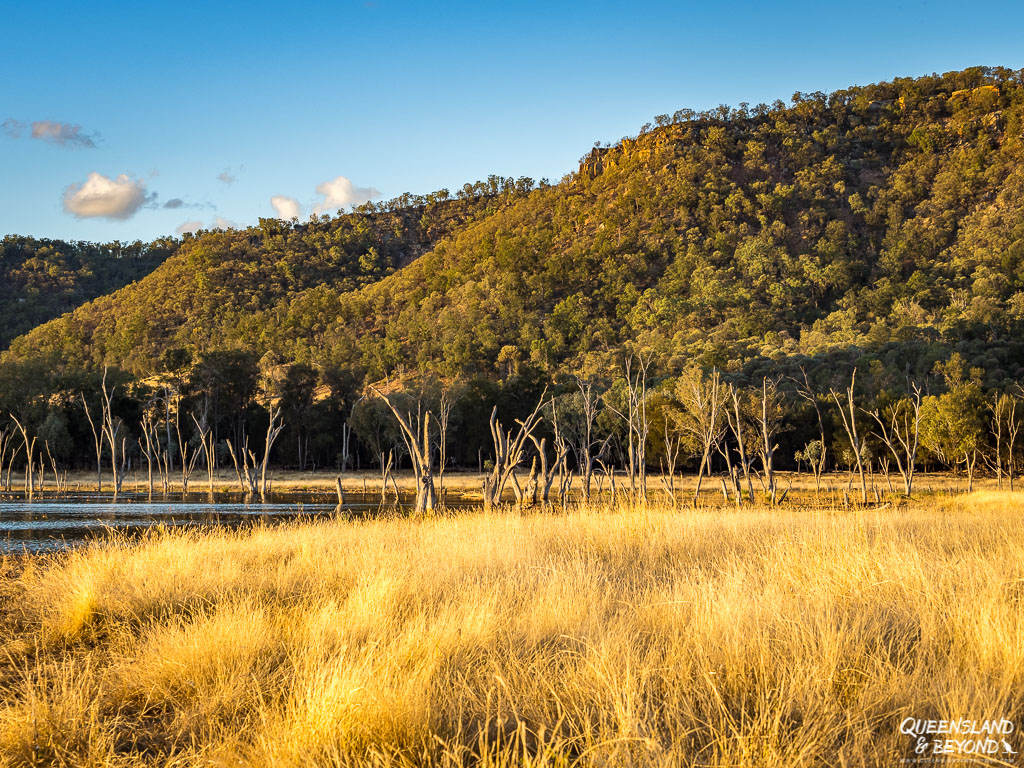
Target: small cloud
189	226
227	176
340	192
12	127
102	197
286	208
61	134
175	202
221	223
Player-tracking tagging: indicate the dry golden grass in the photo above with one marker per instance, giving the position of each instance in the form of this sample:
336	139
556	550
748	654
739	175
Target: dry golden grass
605	638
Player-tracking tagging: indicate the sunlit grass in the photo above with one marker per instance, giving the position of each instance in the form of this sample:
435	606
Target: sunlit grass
630	637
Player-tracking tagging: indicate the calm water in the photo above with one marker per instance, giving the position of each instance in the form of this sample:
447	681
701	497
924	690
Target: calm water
45	525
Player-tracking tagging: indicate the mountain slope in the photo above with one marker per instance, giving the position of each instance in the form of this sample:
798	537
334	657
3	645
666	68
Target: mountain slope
42	279
881	215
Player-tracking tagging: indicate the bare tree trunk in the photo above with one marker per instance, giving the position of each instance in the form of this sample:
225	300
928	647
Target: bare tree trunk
417	440
508	451
850	425
273	430
29	446
98	437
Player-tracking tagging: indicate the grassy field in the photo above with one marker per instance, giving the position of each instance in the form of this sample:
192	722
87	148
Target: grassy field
656	637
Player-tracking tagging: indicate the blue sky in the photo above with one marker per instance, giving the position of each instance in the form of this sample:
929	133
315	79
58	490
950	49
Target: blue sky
365	99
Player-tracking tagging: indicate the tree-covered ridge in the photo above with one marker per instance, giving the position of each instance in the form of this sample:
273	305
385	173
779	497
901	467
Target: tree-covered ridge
215	291
878	217
888	213
43	279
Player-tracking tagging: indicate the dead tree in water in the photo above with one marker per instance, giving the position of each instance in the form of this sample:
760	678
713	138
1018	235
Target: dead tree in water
206	441
188	456
111	429
149	444
444	414
848	412
899	428
549	471
416	436
672	443
736	418
583	441
97	437
817	463
508	451
6	439
274	428
769	421
637	426
29	446
703	402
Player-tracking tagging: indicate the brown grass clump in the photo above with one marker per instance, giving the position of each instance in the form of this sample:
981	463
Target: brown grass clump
593	638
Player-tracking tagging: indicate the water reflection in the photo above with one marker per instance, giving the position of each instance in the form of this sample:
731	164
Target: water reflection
45	525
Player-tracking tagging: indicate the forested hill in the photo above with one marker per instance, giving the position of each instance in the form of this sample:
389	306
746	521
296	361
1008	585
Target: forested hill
214	291
43	279
886	217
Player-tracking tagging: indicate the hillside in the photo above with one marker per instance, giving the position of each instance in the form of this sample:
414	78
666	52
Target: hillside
43	279
888	217
212	293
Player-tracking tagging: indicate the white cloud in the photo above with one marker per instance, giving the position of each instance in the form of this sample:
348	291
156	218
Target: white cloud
100	196
227	176
286	208
340	192
222	223
189	226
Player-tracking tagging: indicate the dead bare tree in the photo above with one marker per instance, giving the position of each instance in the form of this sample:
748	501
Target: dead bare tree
509	448
247	471
416	436
1004	425
188	457
29	447
562	448
97	437
899	428
274	427
582	439
111	428
1013	423
817	463
637	425
6	440
672	442
769	420
703	399
848	412
548	471
206	443
60	477
736	418
444	413
149	443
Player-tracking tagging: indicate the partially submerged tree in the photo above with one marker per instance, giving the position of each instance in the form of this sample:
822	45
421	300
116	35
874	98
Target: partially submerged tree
899	428
703	399
769	420
509	449
848	413
416	435
815	455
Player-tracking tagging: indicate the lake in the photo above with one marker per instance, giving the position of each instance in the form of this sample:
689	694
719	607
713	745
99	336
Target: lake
49	524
